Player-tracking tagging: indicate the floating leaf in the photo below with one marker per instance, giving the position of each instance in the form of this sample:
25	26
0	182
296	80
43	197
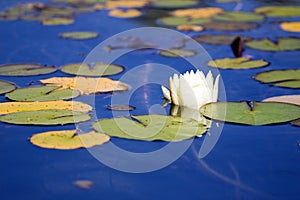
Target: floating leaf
84	184
68	139
6	86
177	53
293	99
120	107
25	69
125	4
87	85
12	107
58	21
45	117
94	69
251	113
42	93
239	17
296	123
279	11
196	13
218	39
151	127
284	44
290	26
283	78
177	21
227	1
188	27
229	26
237	63
79	35
130	13
174	3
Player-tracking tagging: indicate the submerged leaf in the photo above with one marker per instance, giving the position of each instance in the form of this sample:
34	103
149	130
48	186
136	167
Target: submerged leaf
42	93
68	139
251	113
120	107
45	117
218	39
25	69
130	13
177	53
284	44
290	26
6	86
237	63
79	35
151	127
284	78
84	184
279	11
12	107
94	69
296	123
87	85
229	26
239	17
293	99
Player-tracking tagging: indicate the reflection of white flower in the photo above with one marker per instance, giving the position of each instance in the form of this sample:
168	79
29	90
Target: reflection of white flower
192	90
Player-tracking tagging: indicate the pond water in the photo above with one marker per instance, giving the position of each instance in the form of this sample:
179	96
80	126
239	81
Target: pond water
247	162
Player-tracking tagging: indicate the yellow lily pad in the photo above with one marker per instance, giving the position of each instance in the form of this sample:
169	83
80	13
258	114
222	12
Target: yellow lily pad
198	12
125	4
189	27
87	85
68	139
12	107
290	26
130	13
58	21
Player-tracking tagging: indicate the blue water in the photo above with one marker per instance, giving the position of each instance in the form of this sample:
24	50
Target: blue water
247	162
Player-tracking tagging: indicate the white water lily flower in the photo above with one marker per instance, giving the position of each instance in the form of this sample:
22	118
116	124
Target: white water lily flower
192	89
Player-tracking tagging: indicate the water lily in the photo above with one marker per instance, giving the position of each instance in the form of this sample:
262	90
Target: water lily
192	89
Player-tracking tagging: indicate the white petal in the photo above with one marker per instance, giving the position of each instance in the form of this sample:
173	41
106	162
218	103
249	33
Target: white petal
187	97
174	87
210	80
166	93
216	89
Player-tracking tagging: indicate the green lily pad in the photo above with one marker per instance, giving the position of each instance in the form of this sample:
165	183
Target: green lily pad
6	86
25	69
58	21
259	113
45	117
176	21
177	53
79	35
284	78
151	127
279	11
42	93
296	123
218	39
229	26
239	17
283	44
94	69
68	139
237	63
171	4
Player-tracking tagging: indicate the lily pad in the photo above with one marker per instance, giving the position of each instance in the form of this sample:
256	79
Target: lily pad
45	117
25	69
177	21
12	107
283	44
196	13
284	78
42	93
293	99
79	35
218	39
229	26
251	113
279	11
130	13
68	139
57	21
6	86
177	53
120	107
195	28
171	4
151	127
237	63
290	26
94	69
239	17
86	85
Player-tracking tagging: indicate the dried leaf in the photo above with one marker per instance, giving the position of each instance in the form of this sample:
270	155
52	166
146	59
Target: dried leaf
198	12
293	99
290	26
189	27
130	13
